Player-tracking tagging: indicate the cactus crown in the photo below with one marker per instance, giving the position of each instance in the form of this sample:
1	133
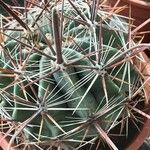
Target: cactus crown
67	77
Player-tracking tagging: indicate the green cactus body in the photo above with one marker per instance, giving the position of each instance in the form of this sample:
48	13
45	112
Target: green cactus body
48	89
76	94
25	93
6	80
70	73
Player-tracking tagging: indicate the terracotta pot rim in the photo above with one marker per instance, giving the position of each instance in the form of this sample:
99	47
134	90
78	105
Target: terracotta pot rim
139	3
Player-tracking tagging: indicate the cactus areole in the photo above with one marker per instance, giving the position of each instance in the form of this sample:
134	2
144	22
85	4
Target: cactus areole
67	80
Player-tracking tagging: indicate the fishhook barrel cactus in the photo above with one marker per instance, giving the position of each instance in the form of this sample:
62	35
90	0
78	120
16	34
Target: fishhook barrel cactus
67	79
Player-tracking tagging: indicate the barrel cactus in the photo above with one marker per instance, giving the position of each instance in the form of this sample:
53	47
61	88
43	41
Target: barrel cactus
67	80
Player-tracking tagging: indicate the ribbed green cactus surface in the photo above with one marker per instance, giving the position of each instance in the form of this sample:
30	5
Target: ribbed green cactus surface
66	78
